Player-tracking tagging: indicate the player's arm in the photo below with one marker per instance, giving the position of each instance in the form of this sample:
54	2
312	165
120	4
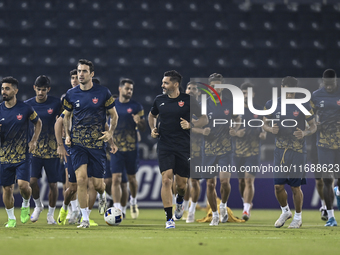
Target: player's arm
152	124
140	122
37	129
113	146
67	123
107	135
202	131
274	129
58	130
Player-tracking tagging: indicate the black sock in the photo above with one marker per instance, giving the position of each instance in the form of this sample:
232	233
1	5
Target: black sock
168	213
179	199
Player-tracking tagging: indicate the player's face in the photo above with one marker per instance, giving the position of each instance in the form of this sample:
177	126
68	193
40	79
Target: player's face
168	86
330	85
41	92
192	90
8	91
74	80
84	74
289	95
126	91
219	90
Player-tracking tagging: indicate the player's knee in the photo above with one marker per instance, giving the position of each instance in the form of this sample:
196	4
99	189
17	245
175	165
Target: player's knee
225	183
7	190
82	181
33	182
211	186
279	188
53	186
249	182
166	182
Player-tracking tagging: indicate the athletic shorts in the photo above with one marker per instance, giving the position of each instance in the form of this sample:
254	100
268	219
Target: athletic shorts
246	162
194	162
221	162
178	161
95	159
10	172
50	165
108	173
331	160
70	170
127	160
288	159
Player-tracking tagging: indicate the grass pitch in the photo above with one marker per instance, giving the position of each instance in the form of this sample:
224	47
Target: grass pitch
147	235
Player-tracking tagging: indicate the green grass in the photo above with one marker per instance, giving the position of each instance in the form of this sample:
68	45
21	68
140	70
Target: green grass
147	235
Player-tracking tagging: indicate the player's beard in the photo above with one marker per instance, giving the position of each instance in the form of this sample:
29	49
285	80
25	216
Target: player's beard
7	98
127	97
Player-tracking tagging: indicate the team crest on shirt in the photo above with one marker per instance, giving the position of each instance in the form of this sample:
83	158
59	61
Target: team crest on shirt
255	116
50	111
338	102
19	116
226	112
129	110
180	103
95	100
296	113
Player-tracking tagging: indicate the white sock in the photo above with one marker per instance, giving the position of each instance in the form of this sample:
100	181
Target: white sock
242	199
25	202
117	205
246	207
84	213
50	211
74	205
323	204
330	213
10	213
192	208
101	196
297	216
215	214
38	202
186	205
64	206
124	209
133	200
223	205
88	211
285	209
173	199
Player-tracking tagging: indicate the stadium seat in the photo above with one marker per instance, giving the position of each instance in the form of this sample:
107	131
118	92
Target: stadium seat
69	20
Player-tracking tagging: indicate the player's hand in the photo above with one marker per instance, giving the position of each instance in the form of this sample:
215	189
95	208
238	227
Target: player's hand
262	135
206	131
114	148
68	141
136	118
107	135
275	129
299	134
184	124
154	133
32	145
232	131
240	132
62	153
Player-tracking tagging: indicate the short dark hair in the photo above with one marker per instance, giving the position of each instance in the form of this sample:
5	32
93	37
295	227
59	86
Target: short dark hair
289	81
86	62
329	74
215	77
174	76
9	79
42	81
191	83
73	72
246	85
125	80
95	80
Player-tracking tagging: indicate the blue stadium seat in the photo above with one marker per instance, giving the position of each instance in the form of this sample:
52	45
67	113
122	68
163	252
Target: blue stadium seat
68	20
